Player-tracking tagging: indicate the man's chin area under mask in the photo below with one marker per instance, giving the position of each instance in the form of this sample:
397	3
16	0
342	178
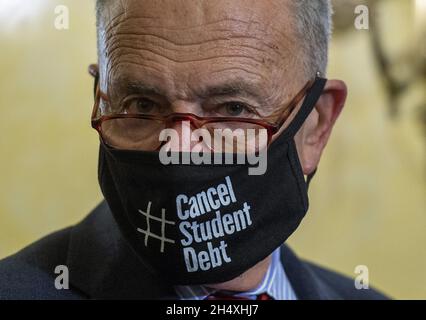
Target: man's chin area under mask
246	281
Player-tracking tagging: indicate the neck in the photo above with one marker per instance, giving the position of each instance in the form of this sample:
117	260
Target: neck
247	281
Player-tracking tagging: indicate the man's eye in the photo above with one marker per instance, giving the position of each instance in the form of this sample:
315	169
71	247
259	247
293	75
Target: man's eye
141	106
235	109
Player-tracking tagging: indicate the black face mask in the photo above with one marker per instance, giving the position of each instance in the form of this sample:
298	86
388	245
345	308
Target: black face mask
201	224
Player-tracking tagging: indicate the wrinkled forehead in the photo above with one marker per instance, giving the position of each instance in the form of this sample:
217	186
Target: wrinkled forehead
258	15
258	36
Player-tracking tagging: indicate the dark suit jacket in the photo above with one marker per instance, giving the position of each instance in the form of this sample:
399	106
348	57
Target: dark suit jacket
102	266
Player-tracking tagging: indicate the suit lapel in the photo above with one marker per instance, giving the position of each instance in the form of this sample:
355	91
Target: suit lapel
103	266
306	284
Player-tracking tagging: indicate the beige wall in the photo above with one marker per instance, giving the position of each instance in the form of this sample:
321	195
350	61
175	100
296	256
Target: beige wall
367	201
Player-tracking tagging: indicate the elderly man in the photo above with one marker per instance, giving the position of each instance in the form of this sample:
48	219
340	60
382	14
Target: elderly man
250	76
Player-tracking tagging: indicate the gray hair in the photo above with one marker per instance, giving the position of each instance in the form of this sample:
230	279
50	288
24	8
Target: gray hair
313	19
314	28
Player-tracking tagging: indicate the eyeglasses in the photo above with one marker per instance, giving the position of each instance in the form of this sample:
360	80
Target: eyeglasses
135	130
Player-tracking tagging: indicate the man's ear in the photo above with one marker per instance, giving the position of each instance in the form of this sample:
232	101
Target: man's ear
94	70
315	132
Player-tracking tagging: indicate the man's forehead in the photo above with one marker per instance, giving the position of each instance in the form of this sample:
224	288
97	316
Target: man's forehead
241	16
246	38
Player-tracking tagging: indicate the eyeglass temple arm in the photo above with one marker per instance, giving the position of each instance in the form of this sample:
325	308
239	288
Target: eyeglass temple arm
94	72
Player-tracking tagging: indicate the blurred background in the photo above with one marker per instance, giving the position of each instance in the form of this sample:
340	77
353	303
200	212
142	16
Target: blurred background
368	200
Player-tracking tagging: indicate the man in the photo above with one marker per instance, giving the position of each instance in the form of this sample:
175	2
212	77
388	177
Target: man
170	229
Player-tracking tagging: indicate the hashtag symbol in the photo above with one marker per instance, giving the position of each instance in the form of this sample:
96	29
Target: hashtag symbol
163	222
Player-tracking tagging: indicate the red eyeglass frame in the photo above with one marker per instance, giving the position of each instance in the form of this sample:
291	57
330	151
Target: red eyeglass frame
196	121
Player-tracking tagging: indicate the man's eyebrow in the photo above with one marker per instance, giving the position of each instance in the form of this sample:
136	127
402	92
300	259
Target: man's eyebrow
226	89
138	87
232	89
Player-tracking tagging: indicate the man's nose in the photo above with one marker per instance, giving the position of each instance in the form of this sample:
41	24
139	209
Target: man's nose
184	128
182	140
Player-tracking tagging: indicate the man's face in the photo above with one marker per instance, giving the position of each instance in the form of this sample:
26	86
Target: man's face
191	55
195	56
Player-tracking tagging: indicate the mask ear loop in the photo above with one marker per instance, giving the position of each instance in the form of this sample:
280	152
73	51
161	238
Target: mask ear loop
308	105
312	96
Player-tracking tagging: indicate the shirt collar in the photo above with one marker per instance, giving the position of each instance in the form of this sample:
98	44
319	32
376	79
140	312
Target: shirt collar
275	283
